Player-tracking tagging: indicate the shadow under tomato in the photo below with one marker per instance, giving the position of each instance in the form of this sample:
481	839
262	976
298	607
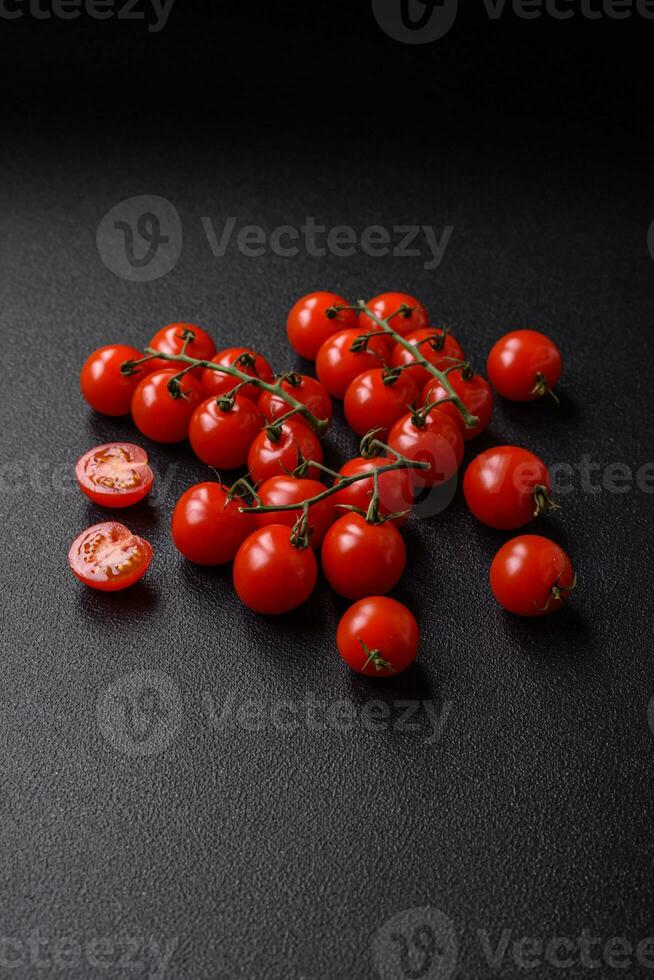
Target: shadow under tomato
141	598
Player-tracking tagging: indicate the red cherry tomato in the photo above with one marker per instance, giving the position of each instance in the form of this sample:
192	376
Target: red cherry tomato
506	486
271	574
273	456
309	324
216	383
114	475
378	637
103	386
170	340
207	527
389	303
523	365
361	559
109	557
373	403
531	576
281	490
438	442
337	365
157	414
395	488
308	392
441	359
476	395
222	437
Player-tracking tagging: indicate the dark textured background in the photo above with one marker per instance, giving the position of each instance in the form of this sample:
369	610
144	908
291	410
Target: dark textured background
277	854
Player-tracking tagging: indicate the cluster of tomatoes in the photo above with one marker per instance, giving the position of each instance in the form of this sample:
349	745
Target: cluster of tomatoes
407	389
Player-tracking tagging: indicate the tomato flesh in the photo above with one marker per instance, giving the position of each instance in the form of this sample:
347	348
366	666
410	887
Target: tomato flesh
109	557
115	474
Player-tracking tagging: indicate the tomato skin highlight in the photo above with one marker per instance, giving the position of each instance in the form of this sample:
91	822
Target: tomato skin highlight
452	351
386	305
371	404
115	474
222	438
103	386
475	394
499	486
308	326
207	527
361	559
272	576
267	458
383	624
525	570
280	490
169	340
337	365
395	488
108	557
516	361
309	392
216	383
439	442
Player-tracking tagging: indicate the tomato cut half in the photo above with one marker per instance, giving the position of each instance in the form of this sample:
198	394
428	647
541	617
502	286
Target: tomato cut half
115	474
109	557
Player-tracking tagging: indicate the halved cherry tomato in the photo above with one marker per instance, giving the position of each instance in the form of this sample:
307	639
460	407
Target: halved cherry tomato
309	323
443	358
437	441
375	401
523	365
207	527
160	416
361	559
170	340
221	437
303	389
387	304
378	637
281	490
531	576
395	488
109	557
272	575
272	456
506	487
103	385
246	360
476	395
337	365
115	474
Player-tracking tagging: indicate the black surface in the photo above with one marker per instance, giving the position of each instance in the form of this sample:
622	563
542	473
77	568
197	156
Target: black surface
269	853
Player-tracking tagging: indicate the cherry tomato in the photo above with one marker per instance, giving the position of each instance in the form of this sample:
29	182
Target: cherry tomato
273	456
281	490
523	365
395	488
476	395
109	557
374	402
438	442
216	383
157	414
207	527
378	637
531	576
170	340
271	574
309	325
361	559
103	386
337	365
222	437
506	487
389	303
114	475
308	392
441	359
